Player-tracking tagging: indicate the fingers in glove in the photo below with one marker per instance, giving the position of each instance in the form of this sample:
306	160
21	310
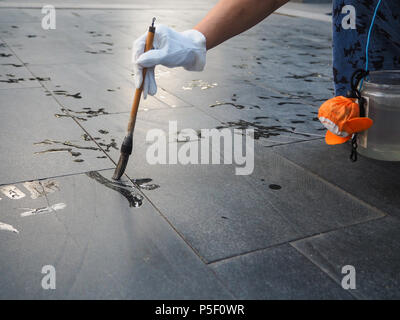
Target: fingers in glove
137	50
138	47
146	86
151	58
152	90
138	72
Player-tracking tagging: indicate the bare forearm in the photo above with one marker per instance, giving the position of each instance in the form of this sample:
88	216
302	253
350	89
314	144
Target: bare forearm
231	17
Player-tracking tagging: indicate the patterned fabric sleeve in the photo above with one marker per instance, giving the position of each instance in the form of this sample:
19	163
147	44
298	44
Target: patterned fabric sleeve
351	20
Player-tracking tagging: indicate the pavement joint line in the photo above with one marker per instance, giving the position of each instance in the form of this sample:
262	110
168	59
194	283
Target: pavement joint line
289	242
363	203
292	142
188	103
325	270
53	177
194	250
285	93
68	232
310	134
336	187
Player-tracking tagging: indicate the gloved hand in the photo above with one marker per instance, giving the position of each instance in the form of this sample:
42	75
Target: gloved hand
171	49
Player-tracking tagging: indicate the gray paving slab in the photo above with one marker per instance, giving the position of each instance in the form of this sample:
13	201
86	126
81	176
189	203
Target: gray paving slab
287	118
32	45
371	248
222	214
106	85
29	127
101	248
374	182
10	15
112	127
277	273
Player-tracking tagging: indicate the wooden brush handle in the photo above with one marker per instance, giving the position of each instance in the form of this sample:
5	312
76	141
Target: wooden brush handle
138	92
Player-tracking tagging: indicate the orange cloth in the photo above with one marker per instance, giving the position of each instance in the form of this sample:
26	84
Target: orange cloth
341	116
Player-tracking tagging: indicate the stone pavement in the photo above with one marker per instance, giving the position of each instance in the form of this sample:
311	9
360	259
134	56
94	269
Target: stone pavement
182	231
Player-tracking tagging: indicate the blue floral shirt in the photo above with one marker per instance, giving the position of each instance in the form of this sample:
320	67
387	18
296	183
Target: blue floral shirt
351	21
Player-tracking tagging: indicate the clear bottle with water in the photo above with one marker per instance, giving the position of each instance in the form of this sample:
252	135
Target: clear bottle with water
382	94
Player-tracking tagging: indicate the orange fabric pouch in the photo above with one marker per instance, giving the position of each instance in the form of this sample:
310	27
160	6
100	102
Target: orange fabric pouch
341	116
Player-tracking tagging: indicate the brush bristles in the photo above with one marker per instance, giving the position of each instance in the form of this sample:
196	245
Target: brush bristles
121	166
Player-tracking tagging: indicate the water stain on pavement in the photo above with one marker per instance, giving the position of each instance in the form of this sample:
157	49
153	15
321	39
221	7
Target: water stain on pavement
297	121
83	114
71	146
54	150
40	78
65	93
41	188
50	209
75	154
13	64
98	52
59	115
12	192
103	143
260	131
203	85
185	136
65	143
144	184
112	144
237	106
13	79
275	186
135	200
97	34
86	137
288	102
8	227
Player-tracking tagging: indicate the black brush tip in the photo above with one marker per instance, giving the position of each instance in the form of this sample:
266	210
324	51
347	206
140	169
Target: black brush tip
121	166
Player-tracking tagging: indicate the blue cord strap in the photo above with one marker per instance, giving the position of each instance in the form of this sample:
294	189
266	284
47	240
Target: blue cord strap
357	81
369	39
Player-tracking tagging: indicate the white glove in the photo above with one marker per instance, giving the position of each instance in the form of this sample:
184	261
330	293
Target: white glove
170	48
